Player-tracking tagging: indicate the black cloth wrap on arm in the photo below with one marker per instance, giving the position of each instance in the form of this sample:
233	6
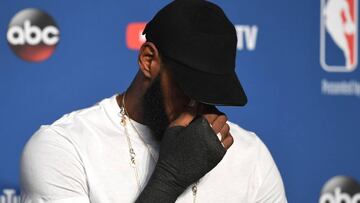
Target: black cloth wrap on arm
186	155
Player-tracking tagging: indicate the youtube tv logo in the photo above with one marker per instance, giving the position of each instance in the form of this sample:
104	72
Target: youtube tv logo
134	37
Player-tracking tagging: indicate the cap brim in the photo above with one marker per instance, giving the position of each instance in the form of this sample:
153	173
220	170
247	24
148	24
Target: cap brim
214	89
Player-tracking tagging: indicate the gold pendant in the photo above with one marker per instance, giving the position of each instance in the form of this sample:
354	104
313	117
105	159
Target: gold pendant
122	114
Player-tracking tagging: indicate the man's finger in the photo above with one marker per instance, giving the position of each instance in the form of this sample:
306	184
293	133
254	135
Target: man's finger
219	123
210	118
228	141
224	131
209	112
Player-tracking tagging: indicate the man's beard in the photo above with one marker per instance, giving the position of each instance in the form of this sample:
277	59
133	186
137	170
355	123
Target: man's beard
154	110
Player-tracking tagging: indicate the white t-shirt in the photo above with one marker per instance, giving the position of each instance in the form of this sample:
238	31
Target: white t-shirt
84	157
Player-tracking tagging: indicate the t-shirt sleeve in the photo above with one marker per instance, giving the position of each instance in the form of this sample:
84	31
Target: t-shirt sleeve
52	170
271	187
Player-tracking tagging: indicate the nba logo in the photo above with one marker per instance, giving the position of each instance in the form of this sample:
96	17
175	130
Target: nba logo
339	35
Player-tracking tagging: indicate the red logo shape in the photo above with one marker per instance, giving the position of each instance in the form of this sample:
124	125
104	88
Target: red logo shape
134	37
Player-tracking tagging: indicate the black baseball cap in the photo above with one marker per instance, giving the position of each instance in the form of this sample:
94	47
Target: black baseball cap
200	43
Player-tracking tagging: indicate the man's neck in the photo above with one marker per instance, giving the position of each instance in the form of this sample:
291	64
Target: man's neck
133	100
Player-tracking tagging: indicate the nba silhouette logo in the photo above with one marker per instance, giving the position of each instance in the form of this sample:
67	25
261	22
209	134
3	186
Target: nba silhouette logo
339	35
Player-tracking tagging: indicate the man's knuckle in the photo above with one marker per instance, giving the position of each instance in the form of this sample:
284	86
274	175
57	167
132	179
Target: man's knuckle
227	127
222	118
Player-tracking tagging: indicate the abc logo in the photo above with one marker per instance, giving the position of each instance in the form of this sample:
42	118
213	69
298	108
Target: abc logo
33	35
340	189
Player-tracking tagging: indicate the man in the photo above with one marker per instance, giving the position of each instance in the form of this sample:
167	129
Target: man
162	140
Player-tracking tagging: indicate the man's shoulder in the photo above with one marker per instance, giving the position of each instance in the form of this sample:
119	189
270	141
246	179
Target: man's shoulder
242	136
78	116
72	128
59	139
249	144
92	118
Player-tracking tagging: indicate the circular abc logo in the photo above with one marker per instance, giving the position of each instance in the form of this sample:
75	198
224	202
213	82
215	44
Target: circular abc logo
33	35
340	189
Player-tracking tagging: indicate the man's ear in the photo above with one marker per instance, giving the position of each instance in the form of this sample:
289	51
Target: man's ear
149	60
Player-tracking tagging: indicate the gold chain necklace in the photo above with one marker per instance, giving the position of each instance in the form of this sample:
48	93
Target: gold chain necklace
124	114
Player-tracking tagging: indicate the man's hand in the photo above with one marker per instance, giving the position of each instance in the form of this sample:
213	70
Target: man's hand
218	121
215	118
190	148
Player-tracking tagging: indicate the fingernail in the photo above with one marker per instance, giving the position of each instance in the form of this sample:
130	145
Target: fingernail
219	136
